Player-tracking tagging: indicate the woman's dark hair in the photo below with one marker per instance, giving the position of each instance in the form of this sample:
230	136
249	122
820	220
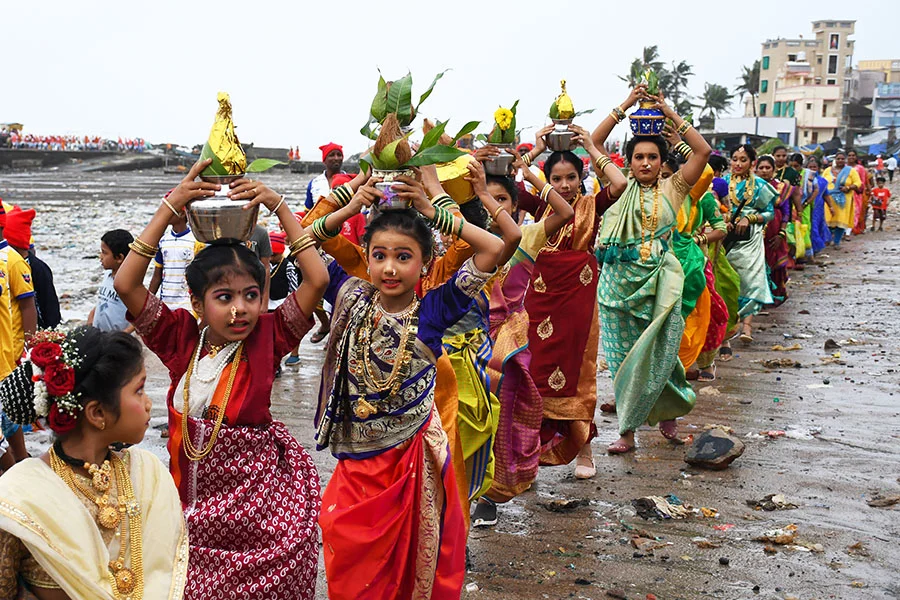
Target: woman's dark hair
749	149
108	361
118	241
659	140
508	184
796	157
408	222
672	162
814	159
474	212
565	156
221	259
766	158
717	162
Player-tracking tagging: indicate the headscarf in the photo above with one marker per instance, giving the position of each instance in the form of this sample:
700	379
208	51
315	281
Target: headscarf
720	188
17	230
341	179
2	215
329	148
278	241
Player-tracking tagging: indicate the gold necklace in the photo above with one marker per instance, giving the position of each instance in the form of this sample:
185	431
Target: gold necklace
128	582
215	349
749	190
189	450
649	223
368	375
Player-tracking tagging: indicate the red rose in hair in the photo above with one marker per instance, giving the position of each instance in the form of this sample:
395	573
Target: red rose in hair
61	422
59	379
45	354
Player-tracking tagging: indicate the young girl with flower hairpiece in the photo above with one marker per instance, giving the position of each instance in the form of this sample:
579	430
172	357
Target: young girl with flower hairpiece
250	492
392	520
82	521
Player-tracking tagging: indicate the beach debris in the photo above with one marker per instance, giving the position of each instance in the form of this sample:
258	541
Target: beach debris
617	594
709	391
791	348
714	450
564	505
471	587
858	549
781	536
648	545
771	502
658	507
725	428
724	527
805	546
724	561
781	363
705	544
879	501
830	344
709	513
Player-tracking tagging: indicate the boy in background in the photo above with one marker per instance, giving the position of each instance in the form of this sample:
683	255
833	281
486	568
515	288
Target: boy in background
109	314
881	197
176	251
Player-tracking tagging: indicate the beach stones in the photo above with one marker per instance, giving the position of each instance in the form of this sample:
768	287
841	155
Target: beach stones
714	450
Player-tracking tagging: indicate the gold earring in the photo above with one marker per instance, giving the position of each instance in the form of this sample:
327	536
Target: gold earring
233	315
102	425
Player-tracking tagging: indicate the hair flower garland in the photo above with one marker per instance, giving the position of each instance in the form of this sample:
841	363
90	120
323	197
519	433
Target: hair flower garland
53	359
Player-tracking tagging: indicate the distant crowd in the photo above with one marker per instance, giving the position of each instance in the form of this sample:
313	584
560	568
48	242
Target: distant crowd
28	141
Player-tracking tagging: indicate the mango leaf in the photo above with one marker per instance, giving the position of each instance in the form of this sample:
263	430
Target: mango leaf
388	159
554	111
466	129
215	168
263	164
584	112
434	155
481	138
365	163
379	103
370	129
399	100
430	89
434	136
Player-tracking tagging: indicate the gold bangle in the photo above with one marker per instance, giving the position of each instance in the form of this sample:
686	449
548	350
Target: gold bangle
444	201
320	232
342	194
684	149
683	128
172	208
618	114
603	162
527	159
496	212
302	243
277	206
141	251
545	191
142	245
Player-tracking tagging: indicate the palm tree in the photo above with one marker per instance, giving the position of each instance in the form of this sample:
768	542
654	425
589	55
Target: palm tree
678	80
749	83
716	99
649	59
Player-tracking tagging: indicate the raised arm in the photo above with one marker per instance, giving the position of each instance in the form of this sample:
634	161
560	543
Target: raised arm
509	229
129	281
698	152
616	116
488	247
604	165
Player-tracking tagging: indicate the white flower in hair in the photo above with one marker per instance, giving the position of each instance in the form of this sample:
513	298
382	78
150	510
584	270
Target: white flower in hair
41	399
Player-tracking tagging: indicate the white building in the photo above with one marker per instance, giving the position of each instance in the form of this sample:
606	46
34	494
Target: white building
783	128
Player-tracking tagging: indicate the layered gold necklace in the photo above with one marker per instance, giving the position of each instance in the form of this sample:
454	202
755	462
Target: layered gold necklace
649	223
749	190
368	375
128	582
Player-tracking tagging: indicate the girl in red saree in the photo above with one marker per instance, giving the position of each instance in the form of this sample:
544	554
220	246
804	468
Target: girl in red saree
564	330
778	253
392	521
250	492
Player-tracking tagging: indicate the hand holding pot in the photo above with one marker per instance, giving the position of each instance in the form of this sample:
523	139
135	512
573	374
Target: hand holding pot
582	137
477	178
189	189
486	153
412	191
255	193
540	139
366	195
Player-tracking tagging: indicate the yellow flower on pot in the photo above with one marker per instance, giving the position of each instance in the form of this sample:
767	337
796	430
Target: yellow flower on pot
504	118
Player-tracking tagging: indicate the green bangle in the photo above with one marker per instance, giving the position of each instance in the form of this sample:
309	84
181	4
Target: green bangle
321	232
444	201
459	230
442	220
342	194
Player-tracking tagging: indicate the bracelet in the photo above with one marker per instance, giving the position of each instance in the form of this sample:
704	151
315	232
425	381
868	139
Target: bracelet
459	230
442	220
546	191
683	128
300	244
603	162
684	150
342	195
618	114
496	212
320	232
172	208
444	201
141	248
527	159
277	206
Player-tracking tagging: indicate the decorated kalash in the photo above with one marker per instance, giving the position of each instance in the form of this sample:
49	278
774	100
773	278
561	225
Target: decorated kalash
81	519
249	490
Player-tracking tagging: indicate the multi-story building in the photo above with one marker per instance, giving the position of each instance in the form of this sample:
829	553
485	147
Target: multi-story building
886	106
890	68
808	79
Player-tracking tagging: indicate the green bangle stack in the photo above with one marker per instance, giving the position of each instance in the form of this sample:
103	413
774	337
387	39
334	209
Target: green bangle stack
320	232
342	194
443	201
442	220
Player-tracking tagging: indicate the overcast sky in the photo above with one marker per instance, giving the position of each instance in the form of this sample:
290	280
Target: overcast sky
304	73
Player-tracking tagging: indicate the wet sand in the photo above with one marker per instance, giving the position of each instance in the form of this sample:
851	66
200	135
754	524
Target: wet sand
841	448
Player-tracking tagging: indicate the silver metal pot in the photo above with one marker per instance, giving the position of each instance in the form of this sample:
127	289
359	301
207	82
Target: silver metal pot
222	180
560	141
499	165
219	218
391	201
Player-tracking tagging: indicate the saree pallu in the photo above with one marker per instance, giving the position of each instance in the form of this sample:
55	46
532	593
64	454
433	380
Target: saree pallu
479	408
392	524
718	313
253	528
695	301
819	234
748	259
563	337
778	255
860	201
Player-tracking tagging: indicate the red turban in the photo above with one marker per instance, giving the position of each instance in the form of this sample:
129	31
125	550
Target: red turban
277	240
341	179
329	148
18	228
2	215
526	147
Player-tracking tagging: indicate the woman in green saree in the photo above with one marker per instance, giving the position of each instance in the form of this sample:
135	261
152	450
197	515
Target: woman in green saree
641	281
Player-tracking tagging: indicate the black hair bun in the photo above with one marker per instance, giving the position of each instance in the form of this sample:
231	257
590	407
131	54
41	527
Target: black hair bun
17	395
